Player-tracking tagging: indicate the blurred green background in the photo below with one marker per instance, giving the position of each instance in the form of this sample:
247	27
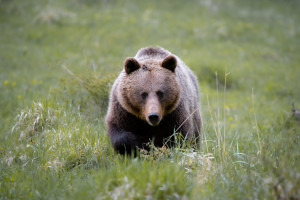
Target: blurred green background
58	60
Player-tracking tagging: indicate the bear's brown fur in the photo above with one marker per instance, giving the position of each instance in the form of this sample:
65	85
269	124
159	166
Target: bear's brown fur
154	95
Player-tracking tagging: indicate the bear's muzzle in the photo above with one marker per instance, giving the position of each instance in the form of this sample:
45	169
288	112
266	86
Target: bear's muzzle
153	110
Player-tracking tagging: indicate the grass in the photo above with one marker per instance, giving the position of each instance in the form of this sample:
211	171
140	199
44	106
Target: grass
58	60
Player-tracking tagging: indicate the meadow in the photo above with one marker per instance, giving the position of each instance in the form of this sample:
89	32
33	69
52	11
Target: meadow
58	60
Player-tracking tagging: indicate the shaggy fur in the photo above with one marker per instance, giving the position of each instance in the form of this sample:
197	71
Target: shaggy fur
155	94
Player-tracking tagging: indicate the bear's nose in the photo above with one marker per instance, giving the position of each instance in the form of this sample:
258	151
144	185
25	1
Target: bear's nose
153	118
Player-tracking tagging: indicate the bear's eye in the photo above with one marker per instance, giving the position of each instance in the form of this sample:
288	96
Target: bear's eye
160	94
144	95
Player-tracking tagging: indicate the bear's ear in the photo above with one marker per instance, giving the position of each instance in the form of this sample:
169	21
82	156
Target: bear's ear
131	65
169	63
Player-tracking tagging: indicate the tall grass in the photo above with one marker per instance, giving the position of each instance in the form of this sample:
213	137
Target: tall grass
53	142
256	126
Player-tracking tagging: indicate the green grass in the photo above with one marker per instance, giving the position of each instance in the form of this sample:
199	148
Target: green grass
58	60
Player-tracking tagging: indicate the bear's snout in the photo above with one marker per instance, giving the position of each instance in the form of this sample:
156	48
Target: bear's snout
153	118
153	111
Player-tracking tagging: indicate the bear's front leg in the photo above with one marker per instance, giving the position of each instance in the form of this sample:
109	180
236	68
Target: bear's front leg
123	141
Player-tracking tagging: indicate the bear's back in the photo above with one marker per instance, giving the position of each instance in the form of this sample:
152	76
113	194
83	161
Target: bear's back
152	53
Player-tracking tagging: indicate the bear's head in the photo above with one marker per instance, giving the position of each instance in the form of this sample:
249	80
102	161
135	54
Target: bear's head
149	88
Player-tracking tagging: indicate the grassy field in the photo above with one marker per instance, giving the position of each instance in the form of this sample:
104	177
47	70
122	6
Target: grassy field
58	60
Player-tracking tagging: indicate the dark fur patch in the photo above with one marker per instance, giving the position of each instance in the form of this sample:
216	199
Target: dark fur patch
144	67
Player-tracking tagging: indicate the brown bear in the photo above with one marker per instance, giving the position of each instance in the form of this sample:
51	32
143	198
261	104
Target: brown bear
155	95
